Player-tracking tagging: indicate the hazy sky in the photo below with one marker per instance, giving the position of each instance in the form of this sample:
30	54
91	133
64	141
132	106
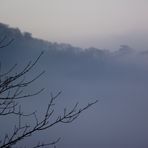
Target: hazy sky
99	23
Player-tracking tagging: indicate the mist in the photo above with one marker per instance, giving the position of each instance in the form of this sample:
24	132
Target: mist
118	79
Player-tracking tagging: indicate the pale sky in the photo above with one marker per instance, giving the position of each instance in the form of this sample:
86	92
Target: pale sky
84	23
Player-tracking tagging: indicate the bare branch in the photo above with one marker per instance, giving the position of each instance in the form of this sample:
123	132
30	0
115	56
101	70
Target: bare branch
11	92
47	144
44	124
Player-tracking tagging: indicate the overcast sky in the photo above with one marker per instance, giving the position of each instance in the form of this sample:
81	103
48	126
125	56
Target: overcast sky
84	23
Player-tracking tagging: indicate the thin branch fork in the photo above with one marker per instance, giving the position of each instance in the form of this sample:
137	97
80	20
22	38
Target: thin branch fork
11	90
44	124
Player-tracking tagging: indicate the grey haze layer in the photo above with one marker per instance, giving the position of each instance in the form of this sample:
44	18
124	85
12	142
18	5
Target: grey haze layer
119	80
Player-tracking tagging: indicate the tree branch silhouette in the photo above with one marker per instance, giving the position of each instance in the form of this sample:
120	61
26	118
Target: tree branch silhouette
12	85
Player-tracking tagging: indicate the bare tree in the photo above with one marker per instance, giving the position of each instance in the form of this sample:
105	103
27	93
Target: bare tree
12	85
